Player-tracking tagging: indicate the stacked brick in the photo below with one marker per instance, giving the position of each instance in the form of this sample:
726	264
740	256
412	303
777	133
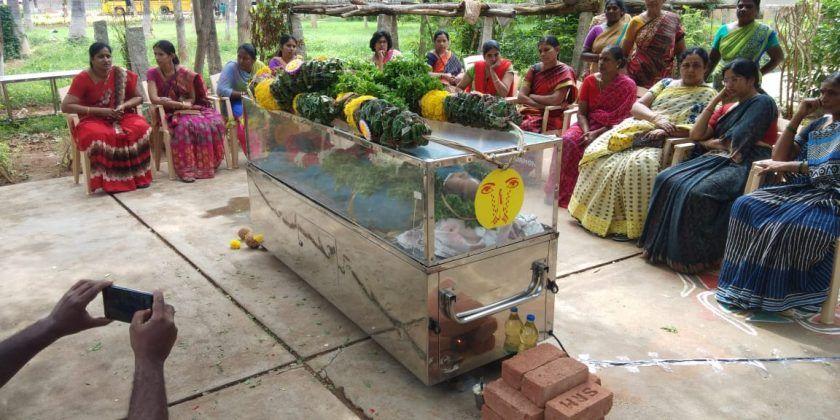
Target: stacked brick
544	383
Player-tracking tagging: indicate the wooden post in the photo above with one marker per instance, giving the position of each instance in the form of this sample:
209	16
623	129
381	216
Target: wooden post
297	32
100	31
486	30
313	21
389	23
137	51
243	21
584	20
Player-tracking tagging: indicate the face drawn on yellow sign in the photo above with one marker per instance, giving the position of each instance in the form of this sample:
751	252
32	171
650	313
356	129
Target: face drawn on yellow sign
499	198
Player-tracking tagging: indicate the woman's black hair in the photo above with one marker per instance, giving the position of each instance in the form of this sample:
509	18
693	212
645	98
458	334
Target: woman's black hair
283	40
249	49
377	36
756	2
700	52
168	48
439	33
94	49
619	3
550	40
490	45
833	78
617	54
744	68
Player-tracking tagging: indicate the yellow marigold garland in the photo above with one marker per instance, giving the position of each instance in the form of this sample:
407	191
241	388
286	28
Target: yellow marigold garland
431	105
351	108
262	93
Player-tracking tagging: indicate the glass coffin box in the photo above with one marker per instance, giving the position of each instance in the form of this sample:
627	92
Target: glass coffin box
425	249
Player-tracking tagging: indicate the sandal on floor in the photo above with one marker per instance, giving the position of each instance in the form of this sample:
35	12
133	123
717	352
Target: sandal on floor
620	238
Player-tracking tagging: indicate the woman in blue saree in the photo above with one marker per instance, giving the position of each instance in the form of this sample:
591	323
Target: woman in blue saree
782	238
689	207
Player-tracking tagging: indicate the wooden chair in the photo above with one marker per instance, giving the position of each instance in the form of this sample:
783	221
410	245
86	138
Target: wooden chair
222	103
572	112
161	134
80	162
829	307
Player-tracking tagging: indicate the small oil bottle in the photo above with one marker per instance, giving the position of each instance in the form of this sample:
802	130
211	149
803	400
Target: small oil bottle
529	335
513	327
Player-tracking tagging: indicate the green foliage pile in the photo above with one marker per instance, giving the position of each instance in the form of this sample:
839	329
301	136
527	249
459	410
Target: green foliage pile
364	78
11	43
409	78
482	111
269	21
393	127
316	107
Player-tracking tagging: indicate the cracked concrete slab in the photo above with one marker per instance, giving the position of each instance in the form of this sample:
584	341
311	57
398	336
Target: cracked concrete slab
731	391
200	219
53	234
578	249
285	394
380	386
633	309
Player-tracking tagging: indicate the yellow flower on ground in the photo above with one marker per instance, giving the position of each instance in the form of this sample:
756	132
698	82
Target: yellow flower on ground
235	244
262	93
431	105
259	238
351	108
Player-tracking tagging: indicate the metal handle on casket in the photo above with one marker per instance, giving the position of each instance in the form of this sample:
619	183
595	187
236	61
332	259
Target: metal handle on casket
448	297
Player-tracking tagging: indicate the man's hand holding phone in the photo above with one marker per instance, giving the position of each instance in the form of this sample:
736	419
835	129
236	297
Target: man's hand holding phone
153	331
70	314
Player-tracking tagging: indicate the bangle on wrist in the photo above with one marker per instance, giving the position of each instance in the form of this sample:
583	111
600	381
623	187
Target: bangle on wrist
790	129
802	166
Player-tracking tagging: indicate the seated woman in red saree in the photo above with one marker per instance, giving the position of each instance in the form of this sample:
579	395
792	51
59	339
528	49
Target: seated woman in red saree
652	40
547	83
198	130
492	76
110	131
606	99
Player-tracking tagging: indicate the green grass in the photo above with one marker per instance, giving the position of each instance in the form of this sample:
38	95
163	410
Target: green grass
53	124
52	51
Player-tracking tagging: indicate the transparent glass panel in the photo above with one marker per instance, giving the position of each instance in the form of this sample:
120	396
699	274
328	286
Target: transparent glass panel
458	228
379	192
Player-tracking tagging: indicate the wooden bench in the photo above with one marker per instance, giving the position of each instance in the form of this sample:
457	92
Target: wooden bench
33	77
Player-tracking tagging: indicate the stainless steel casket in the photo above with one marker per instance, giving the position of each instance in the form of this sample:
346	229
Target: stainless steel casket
359	223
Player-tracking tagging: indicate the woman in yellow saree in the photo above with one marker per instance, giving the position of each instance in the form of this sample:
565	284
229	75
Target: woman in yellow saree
618	168
604	34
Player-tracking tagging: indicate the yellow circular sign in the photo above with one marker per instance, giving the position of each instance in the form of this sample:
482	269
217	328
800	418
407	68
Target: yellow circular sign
499	198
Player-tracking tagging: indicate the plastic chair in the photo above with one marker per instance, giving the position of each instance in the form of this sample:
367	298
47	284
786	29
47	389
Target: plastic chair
829	307
231	145
80	162
161	133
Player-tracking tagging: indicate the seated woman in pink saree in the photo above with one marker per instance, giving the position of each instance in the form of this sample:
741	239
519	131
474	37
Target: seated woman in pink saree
547	83
605	100
198	130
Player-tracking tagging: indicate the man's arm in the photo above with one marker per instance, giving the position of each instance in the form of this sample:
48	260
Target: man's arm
69	316
153	334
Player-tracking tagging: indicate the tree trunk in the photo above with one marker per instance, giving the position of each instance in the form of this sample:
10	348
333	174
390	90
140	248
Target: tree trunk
297	32
214	59
389	23
365	20
584	20
2	58
78	24
181	32
313	21
147	18
27	16
243	21
137	51
14	10
201	38
228	22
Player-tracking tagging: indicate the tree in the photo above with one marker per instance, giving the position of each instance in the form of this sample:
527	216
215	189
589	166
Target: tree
181	32
147	18
243	21
27	16
208	43
14	10
228	19
78	24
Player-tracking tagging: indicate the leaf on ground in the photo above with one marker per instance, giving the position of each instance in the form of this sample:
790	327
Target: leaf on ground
96	346
669	328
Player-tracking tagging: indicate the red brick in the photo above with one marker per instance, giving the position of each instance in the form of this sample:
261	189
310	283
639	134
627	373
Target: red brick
593	378
588	401
509	403
553	379
516	367
487	413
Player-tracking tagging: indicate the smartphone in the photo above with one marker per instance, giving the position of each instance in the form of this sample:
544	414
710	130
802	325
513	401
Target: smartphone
121	303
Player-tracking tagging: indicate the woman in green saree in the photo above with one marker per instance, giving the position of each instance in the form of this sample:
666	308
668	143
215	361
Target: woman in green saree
744	38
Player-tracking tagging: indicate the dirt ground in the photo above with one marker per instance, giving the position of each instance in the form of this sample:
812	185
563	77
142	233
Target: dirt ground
36	157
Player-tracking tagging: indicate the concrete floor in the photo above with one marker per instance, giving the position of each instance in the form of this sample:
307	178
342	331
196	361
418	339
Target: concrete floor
255	341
